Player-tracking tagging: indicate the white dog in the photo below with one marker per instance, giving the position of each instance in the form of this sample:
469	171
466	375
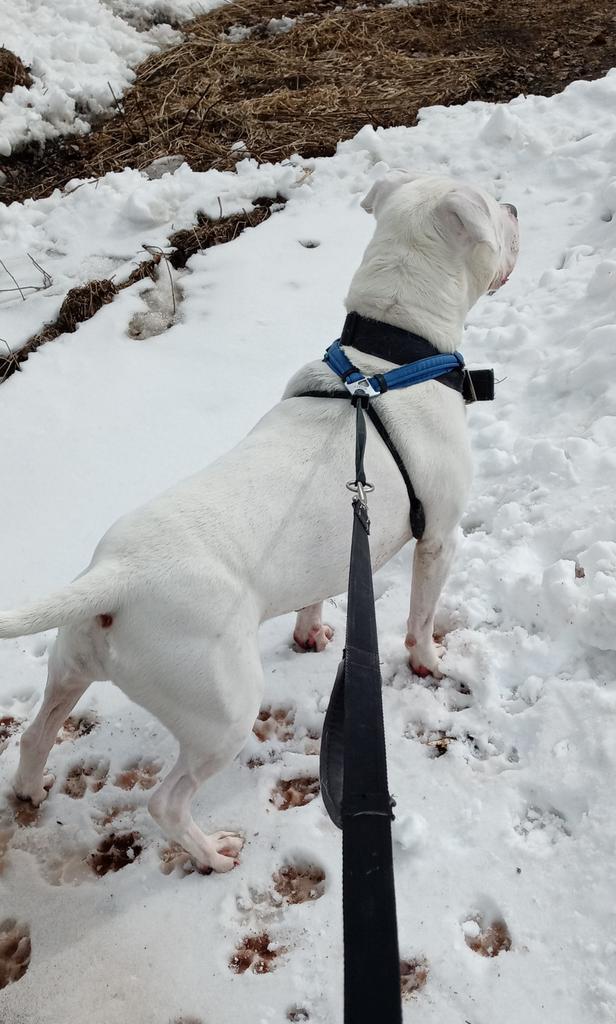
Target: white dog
170	606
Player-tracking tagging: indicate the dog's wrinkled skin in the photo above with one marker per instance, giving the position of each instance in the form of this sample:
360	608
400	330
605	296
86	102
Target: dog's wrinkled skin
170	606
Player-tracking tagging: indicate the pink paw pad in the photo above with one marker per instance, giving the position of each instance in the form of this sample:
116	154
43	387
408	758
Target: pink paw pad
420	670
316	640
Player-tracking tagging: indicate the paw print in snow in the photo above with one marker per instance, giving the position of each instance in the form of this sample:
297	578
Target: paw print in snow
15	950
9	726
141	775
297	792
257	953
77	726
87	775
299	884
114	852
487	937
542	825
413	976
274	724
175	858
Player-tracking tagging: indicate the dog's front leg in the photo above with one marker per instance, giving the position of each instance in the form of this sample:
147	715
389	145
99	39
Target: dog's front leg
311	633
430	567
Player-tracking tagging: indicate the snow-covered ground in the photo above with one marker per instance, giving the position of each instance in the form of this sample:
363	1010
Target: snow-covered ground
514	823
80	53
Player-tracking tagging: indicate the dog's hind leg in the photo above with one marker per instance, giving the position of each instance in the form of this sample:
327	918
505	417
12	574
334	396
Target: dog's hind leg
430	567
210	703
65	685
311	633
171	808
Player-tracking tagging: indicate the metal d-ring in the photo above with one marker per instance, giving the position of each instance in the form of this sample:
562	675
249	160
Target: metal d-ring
361	490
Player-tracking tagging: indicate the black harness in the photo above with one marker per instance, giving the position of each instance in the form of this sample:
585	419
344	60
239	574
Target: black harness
395	345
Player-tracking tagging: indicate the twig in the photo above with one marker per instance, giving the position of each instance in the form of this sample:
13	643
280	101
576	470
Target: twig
47	278
11	362
195	104
22	288
14	280
122	112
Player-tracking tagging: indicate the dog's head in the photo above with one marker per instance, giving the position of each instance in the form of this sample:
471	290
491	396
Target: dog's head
439	216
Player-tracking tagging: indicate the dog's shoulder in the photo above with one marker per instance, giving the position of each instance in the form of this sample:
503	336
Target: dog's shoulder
314	376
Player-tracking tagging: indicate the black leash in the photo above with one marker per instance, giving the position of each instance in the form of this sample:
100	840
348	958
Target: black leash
353	772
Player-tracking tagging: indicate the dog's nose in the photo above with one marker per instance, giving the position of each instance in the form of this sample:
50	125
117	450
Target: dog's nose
512	209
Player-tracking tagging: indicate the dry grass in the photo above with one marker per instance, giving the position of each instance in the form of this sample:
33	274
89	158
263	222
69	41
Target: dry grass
12	72
339	68
83	302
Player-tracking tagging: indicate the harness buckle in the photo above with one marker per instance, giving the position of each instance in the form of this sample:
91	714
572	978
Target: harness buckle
468	380
363	385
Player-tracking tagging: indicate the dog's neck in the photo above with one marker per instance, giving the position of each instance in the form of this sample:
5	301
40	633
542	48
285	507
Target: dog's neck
429	297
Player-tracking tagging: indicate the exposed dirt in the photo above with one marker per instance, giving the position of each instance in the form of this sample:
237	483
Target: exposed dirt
339	67
12	72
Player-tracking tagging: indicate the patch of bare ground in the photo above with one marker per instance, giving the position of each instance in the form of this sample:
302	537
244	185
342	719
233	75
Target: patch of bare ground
81	303
12	72
336	68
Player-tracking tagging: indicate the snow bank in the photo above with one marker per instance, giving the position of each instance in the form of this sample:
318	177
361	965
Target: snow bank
80	53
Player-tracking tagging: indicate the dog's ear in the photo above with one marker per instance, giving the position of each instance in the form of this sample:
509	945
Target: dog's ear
383	188
465	217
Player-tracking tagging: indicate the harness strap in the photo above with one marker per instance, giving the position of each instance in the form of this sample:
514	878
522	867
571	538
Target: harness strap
417	515
417	372
401	347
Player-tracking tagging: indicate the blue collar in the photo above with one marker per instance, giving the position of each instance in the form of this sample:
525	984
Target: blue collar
402	377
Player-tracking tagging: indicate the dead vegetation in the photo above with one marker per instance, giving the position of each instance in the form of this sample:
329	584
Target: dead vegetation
271	88
12	72
84	301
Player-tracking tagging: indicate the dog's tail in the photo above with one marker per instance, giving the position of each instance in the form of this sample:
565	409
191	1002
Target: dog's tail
95	593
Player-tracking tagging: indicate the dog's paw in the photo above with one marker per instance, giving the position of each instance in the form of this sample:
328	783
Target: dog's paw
34	794
225	851
217	852
424	658
315	639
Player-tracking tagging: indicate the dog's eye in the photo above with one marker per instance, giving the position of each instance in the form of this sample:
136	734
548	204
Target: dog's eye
512	209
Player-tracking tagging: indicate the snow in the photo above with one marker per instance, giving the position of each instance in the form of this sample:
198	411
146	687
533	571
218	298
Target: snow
514	821
80	53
